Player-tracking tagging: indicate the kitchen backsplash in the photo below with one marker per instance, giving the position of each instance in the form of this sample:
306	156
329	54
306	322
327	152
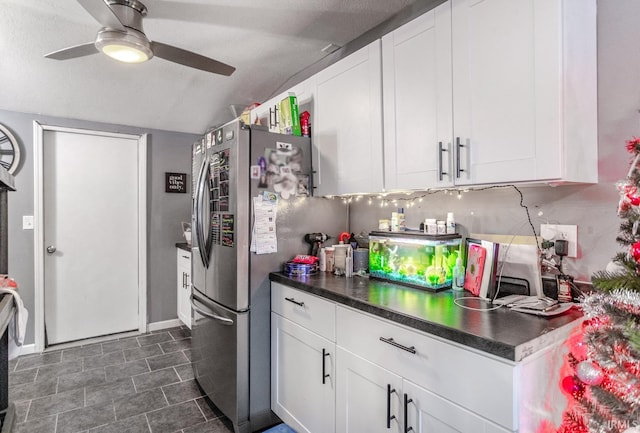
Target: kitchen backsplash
498	211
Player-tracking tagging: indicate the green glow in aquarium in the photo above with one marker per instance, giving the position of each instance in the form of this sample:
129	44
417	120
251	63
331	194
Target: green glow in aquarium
414	259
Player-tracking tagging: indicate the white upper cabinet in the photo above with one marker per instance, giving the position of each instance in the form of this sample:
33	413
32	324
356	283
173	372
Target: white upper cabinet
347	125
507	86
524	90
418	123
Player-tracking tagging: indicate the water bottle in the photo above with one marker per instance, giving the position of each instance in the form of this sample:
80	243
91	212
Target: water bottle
458	275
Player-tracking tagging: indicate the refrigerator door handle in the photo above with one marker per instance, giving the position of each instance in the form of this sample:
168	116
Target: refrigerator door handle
199	229
221	319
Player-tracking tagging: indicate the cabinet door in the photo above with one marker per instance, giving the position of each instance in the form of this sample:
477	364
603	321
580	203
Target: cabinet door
184	287
302	377
426	412
367	396
347	134
506	89
418	113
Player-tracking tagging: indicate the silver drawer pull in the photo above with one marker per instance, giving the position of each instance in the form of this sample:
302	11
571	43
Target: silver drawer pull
301	304
390	341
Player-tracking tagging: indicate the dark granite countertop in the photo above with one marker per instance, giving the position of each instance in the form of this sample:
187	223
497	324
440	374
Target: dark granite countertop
501	332
184	246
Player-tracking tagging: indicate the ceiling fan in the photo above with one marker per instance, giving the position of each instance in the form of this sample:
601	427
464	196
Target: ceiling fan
122	38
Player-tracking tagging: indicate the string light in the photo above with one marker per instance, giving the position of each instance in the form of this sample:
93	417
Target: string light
410	201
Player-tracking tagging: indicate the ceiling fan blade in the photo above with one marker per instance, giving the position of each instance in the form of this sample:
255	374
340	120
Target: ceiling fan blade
73	52
188	58
102	13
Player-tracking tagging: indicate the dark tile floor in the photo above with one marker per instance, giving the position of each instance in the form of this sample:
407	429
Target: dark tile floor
138	384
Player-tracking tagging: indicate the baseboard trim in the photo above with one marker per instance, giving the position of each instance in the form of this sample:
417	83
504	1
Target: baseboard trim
157	326
27	349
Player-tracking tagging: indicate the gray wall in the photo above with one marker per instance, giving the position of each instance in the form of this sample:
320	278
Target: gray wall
591	207
167	151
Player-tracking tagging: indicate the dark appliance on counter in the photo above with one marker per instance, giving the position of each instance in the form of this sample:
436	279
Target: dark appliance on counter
231	289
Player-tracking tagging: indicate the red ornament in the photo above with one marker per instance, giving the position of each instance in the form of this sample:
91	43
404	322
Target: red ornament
573	386
580	351
633	145
634	200
635	251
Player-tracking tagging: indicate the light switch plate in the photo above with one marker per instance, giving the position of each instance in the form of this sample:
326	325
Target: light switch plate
27	222
553	232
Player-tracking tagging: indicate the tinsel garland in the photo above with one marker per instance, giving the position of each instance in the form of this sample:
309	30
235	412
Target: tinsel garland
625	300
614	404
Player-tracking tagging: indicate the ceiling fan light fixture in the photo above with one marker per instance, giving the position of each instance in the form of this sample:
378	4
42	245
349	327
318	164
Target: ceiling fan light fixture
125	47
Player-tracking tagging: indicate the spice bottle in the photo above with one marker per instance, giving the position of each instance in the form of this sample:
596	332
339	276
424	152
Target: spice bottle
323	260
329	258
451	223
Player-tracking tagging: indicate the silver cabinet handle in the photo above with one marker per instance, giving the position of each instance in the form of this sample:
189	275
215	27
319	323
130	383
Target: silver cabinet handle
441	171
390	341
51	249
299	303
223	320
459	146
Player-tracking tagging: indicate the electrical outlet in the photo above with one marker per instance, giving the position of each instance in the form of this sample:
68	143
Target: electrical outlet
569	233
27	222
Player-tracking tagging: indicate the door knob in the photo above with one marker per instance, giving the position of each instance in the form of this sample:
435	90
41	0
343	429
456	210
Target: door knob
51	249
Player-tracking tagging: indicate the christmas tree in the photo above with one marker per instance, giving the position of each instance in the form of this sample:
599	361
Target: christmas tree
601	376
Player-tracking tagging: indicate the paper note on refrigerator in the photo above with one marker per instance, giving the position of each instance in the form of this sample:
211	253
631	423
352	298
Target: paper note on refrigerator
263	233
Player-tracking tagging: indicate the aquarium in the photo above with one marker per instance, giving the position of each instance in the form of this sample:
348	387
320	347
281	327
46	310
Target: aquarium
413	258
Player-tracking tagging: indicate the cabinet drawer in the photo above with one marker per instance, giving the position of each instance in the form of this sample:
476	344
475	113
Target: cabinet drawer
481	384
306	310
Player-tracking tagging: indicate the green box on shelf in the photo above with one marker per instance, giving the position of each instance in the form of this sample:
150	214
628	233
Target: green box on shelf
290	116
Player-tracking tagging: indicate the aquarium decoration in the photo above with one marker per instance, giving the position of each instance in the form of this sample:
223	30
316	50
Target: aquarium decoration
414	259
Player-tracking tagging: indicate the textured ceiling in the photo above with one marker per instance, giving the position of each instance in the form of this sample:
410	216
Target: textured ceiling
267	41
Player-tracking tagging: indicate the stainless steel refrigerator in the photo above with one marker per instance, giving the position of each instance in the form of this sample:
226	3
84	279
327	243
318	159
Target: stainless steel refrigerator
230	285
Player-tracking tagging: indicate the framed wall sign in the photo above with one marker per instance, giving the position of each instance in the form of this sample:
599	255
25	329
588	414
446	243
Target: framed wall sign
175	182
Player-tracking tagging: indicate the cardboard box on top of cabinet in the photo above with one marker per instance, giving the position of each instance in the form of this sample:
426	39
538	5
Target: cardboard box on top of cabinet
289	116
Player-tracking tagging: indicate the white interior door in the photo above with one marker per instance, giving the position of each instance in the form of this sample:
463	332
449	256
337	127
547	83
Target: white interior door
91	233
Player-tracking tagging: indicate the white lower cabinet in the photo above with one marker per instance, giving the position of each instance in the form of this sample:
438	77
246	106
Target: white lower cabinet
303	360
337	369
368	396
184	286
426	412
302	377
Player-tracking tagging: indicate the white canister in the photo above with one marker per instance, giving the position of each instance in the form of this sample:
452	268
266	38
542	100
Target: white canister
430	226
329	258
441	228
340	257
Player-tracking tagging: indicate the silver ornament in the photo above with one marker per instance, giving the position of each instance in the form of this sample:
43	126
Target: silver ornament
615	268
590	373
